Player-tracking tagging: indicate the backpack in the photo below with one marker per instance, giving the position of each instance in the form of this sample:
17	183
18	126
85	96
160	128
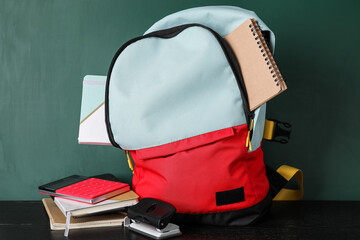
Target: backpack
176	102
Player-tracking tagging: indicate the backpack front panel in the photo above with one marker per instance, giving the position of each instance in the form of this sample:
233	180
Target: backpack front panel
163	90
209	173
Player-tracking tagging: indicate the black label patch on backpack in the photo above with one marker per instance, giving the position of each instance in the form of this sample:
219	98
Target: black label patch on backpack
230	196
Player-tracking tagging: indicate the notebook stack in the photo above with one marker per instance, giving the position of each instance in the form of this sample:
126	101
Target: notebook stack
82	202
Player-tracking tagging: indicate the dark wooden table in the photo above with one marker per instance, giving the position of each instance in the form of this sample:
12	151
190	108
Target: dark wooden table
286	220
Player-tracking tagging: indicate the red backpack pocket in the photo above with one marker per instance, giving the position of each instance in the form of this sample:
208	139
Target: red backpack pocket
204	174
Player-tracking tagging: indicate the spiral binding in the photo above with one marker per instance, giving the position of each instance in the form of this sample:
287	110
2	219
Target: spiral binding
255	29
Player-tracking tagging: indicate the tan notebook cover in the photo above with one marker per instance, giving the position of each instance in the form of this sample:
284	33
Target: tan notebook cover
57	218
261	75
125	196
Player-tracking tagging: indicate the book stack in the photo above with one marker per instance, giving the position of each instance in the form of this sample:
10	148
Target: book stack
81	202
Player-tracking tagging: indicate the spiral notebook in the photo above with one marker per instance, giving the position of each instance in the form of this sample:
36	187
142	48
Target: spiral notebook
261	75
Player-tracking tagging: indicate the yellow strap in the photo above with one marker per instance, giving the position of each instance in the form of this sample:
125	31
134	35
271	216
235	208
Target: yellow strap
129	162
248	140
290	194
268	129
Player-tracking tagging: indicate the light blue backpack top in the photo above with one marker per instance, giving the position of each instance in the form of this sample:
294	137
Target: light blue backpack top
181	85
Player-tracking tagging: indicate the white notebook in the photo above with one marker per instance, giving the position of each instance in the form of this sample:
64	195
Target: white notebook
79	209
92	128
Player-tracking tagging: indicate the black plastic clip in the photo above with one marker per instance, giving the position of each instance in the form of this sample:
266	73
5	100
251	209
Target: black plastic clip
282	131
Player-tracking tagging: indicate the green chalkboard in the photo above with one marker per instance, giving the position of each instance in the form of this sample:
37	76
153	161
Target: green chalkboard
48	46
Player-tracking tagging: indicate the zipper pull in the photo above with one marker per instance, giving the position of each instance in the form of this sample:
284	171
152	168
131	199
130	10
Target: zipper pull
129	162
250	131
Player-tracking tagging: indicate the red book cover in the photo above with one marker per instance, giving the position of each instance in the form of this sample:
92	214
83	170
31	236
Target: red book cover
89	190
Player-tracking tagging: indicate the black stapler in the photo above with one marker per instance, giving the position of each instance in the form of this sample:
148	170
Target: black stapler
151	217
